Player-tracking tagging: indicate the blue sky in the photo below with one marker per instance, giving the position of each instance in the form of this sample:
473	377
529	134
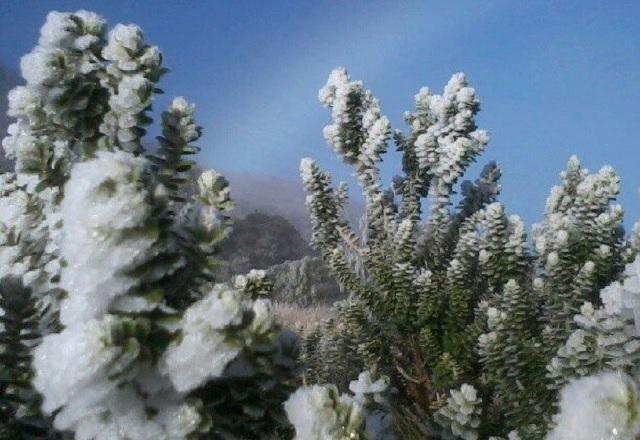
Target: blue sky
554	78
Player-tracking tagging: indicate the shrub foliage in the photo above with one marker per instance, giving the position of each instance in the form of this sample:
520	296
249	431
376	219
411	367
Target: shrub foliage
457	324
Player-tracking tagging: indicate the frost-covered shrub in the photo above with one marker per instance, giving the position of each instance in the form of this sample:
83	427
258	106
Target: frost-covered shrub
125	333
143	344
443	296
604	349
607	337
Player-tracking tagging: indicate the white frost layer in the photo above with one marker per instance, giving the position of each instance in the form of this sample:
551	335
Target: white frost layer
312	411
105	201
125	417
75	373
365	385
598	407
72	365
202	353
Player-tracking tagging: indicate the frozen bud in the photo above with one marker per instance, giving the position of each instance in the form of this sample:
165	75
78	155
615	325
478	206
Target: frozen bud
255	276
160	192
207	221
457	81
337	78
366	385
307	166
516	221
43	66
422	97
240	282
461	414
573	164
133	94
214	189
151	57
589	266
468	392
23	101
611	297
486	339
128	36
575	342
423	277
604	249
586	318
466	95
125	43
58	31
480	136
263	316
494	317
538	283
562	237
92	23
181	106
587	309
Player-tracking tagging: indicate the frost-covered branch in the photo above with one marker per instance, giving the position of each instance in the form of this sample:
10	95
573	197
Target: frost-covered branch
144	344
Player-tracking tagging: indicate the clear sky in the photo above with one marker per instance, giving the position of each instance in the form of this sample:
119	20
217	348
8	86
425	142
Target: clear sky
554	78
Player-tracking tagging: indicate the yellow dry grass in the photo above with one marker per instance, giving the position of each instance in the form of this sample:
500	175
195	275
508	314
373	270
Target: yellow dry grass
300	319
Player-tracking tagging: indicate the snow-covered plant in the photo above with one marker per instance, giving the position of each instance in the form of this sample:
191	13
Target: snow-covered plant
604	406
320	412
462	412
581	239
395	286
607	338
445	296
144	344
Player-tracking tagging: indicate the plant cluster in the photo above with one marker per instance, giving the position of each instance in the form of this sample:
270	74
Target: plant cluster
447	298
457	324
142	343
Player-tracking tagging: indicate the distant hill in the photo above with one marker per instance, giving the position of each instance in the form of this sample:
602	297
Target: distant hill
8	79
259	241
278	196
